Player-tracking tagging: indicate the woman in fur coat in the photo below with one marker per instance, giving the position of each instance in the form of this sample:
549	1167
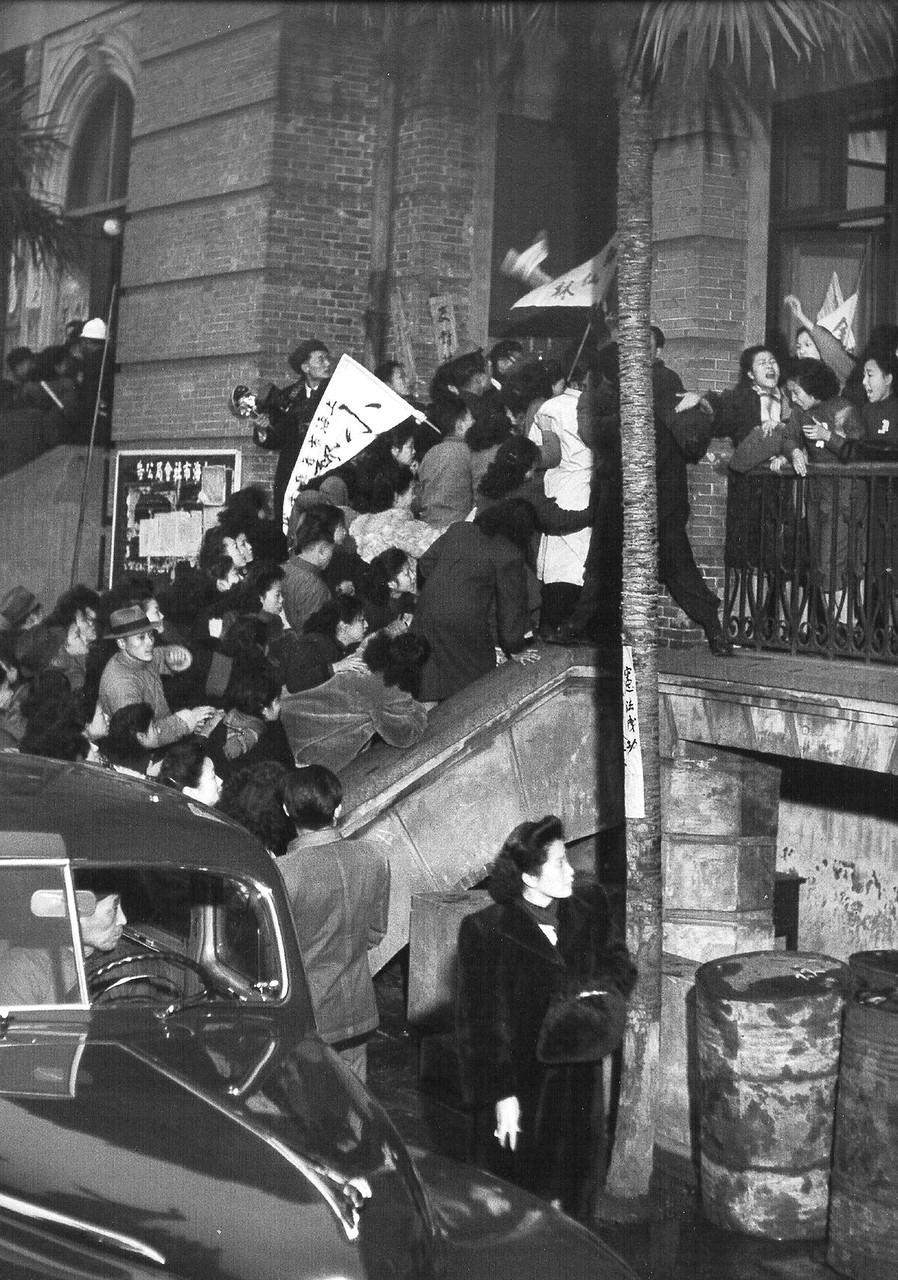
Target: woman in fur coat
541	1125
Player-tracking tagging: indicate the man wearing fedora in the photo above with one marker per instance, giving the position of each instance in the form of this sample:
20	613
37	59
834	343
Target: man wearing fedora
20	610
134	674
291	409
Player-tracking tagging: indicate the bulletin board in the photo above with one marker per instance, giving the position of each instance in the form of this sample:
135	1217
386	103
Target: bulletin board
165	500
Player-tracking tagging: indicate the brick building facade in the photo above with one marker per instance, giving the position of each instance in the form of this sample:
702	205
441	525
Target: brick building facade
297	173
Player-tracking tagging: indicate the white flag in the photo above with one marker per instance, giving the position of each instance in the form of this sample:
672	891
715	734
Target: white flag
832	299
354	409
526	266
585	286
840	322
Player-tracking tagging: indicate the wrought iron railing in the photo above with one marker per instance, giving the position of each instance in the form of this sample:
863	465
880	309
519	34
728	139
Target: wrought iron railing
810	563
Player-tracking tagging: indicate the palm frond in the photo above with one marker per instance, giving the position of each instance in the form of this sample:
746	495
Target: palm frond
860	32
28	218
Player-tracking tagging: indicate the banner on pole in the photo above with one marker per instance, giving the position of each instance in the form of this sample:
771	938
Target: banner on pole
356	407
585	286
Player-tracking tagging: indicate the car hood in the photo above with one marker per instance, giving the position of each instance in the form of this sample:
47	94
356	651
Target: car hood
223	1147
488	1228
232	1150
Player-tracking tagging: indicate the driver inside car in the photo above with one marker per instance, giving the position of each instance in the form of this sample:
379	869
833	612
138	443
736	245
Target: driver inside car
48	976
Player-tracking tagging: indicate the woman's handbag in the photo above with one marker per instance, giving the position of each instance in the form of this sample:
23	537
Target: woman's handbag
583	1027
693	430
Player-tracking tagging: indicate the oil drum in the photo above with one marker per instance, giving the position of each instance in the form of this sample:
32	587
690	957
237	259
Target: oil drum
768	1034
863	1211
875	970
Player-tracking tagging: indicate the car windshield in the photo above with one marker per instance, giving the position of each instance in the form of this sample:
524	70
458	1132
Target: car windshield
164	935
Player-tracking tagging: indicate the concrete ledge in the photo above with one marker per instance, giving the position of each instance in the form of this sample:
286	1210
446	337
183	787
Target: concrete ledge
803	708
462	725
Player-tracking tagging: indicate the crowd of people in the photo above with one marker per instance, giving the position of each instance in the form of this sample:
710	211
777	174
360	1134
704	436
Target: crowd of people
251	679
795	412
450	545
445	548
61	394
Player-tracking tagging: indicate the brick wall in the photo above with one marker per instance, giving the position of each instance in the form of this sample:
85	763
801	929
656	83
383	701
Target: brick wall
193	284
250	210
701	245
435	188
261	135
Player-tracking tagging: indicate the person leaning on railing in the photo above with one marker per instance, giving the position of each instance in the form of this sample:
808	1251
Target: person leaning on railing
836	508
753	415
878	442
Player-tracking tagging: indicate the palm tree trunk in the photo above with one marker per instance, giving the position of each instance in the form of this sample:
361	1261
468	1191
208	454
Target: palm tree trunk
632	1160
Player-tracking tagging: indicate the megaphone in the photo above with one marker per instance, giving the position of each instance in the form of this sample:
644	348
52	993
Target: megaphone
243	403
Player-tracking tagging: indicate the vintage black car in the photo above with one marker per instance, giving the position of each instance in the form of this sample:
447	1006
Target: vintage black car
166	1107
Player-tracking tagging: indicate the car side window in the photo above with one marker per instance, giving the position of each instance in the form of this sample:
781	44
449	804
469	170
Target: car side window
246	939
224	924
37	937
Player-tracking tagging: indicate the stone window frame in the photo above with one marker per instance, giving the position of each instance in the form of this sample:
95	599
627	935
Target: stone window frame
826	122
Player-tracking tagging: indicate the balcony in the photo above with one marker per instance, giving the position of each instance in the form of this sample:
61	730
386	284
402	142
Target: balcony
809	562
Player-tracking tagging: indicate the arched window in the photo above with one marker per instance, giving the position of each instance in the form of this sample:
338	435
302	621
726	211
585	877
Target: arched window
97	188
98	174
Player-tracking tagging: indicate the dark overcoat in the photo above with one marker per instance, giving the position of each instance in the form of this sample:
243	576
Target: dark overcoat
508	971
475	596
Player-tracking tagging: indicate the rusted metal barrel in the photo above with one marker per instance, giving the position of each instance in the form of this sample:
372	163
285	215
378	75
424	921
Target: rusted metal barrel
768	1031
873	970
863	1211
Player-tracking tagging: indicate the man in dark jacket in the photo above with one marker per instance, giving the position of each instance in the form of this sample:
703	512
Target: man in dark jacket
676	563
599	427
290	410
339	893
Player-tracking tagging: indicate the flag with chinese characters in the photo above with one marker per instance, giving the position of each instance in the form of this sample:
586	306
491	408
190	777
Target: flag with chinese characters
585	286
634	787
354	409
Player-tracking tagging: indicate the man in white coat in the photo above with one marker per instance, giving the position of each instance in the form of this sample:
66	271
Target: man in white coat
562	556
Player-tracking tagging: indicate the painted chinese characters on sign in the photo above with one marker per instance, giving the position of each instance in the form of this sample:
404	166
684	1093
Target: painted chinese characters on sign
356	407
165	500
634	791
585	286
442	314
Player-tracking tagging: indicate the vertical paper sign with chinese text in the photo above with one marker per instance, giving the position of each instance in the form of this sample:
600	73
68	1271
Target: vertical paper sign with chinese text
442	314
634	791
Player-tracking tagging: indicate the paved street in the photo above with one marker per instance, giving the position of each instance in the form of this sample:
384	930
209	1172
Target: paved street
678	1244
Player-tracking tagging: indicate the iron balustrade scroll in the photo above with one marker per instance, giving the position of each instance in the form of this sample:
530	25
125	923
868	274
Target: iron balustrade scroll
810	562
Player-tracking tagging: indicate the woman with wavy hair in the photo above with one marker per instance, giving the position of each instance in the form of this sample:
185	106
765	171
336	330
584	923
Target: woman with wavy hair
537	1090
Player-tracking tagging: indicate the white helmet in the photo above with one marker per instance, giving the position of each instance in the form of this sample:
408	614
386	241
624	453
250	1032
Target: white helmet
95	329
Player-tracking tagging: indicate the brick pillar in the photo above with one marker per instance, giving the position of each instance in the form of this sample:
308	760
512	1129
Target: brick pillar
442	208
718	846
710	193
719	820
